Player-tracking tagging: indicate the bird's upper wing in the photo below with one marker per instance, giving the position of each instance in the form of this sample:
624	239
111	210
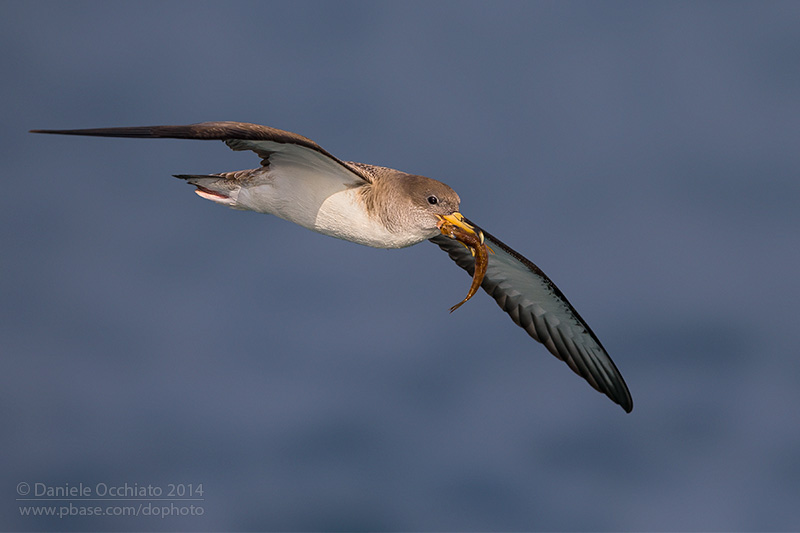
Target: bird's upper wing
262	140
535	304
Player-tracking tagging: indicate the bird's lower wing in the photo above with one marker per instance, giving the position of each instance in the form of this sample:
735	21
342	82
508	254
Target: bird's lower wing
535	304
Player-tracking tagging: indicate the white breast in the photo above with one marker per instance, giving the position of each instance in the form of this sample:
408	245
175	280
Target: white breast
344	215
323	200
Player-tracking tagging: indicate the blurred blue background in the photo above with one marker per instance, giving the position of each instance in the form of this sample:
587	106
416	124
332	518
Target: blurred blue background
645	155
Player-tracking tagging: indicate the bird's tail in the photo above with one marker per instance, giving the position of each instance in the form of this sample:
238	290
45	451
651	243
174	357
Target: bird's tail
221	188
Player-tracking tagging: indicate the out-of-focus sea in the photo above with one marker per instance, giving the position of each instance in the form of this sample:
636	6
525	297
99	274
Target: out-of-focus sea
645	155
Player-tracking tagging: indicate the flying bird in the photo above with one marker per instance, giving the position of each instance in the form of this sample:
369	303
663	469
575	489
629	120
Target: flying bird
376	206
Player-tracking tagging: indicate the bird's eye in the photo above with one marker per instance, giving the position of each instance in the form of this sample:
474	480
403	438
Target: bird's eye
433	200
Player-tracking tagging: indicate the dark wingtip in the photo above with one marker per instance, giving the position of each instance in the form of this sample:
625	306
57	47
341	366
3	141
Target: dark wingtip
63	132
624	400
145	132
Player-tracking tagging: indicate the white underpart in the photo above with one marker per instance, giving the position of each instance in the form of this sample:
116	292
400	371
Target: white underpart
316	193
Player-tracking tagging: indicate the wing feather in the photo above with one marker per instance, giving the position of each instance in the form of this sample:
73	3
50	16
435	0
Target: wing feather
262	140
534	303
